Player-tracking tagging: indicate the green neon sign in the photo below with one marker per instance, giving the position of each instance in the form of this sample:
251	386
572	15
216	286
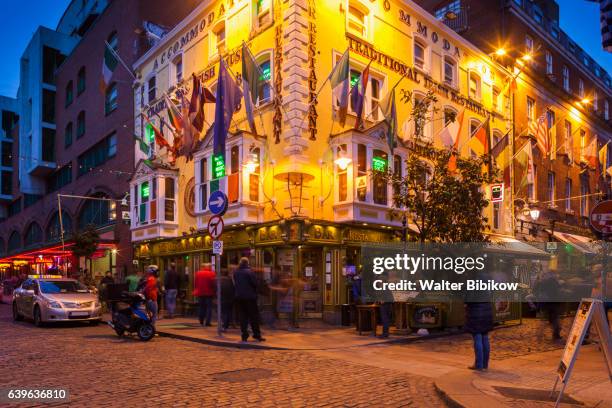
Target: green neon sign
379	164
144	191
218	166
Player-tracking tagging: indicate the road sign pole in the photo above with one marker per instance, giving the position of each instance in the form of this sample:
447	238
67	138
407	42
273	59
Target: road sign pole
219	319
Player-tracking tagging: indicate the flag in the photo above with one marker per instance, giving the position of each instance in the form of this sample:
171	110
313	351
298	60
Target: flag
340	83
174	115
144	147
501	145
358	95
389	110
524	160
603	157
480	138
590	154
501	153
250	83
160	140
199	97
227	102
450	134
109	63
539	129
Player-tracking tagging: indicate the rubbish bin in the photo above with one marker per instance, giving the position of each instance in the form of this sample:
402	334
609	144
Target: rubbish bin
345	311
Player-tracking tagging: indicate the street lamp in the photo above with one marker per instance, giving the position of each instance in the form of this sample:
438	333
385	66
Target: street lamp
500	52
342	161
251	165
534	213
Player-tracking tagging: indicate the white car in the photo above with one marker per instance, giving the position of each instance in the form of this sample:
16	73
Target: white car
54	299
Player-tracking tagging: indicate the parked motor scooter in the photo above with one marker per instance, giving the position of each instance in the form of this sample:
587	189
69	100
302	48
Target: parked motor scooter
130	315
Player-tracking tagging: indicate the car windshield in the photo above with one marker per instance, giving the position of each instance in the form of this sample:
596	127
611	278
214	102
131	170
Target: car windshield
62	287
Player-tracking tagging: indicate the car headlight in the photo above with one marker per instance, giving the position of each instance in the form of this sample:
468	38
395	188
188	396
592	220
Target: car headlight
54	304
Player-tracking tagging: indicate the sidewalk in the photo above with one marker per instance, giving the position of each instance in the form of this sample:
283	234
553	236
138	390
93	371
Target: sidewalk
526	381
309	336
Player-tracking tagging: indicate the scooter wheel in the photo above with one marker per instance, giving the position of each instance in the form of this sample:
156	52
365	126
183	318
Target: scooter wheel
146	332
119	332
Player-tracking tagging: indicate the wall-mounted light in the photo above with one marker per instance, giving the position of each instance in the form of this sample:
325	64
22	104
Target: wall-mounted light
252	162
534	213
343	160
500	52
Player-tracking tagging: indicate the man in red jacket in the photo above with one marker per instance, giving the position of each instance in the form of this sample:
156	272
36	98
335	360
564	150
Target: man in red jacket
204	289
151	292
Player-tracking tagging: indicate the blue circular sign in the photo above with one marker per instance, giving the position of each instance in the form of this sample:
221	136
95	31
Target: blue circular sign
217	202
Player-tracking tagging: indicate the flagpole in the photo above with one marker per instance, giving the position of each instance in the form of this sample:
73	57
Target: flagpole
116	54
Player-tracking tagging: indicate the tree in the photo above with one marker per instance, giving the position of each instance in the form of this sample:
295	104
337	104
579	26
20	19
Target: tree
86	242
445	204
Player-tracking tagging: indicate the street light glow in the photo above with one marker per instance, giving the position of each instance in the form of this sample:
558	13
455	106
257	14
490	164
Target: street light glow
500	52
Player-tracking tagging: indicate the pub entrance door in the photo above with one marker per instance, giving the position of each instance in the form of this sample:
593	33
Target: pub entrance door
310	275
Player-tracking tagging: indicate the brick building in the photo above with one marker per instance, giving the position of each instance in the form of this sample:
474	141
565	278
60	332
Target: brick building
558	82
79	142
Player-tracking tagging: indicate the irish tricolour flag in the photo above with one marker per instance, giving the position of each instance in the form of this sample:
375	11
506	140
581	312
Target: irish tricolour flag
109	63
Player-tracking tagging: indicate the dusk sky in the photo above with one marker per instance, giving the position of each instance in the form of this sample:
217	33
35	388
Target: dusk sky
19	19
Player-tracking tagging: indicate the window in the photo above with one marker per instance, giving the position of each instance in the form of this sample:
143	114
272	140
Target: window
380	163
450	71
169	199
254	175
51	60
7	154
59	178
362	171
81	81
374	90
538	16
549	63
449	116
452	8
217	40
552	134
48	106
606	110
551	188
495	100
582	143
567	138
528	44
69	93
263	12
419	55
68	135
356	20
531	188
496	215
14	242
264	90
177	65
97	155
6	180
94	212
474	91
48	144
566	78
581	88
568	194
595	100
584	190
530	109
110	100
151	87
33	235
54	229
80	125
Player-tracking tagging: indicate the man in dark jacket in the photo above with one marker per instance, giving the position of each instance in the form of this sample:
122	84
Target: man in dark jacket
479	322
172	282
245	285
227	298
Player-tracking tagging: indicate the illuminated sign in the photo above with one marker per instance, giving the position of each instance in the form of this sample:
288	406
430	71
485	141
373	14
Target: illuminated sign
144	191
497	193
379	164
218	166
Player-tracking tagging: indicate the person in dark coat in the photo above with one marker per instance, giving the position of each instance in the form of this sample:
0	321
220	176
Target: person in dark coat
172	281
227	298
479	322
245	286
548	292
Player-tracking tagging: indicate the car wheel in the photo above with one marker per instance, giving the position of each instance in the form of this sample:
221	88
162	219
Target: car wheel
16	316
146	332
37	317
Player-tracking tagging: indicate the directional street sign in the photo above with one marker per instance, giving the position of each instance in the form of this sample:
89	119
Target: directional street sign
217	247
215	226
217	203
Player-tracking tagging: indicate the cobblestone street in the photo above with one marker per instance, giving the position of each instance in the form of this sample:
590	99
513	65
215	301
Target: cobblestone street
99	369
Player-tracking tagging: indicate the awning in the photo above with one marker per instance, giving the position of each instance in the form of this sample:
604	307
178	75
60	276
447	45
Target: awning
581	243
512	246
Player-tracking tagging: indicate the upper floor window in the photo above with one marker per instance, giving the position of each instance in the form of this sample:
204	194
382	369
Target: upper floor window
567	137
528	44
551	188
69	93
474	90
549	63
263	12
68	135
568	194
495	102
538	16
420	55
81	81
80	124
530	109
151	89
452	8
264	90
581	88
177	68
217	40
596	100
606	110
531	188
450	71
584	191
356	19
110	101
380	164
566	78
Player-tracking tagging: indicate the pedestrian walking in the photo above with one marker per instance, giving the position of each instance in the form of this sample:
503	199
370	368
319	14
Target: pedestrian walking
227	298
204	290
245	283
479	322
151	291
386	300
548	291
172	282
132	280
106	280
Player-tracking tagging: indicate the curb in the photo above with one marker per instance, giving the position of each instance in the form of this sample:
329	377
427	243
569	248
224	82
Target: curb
448	400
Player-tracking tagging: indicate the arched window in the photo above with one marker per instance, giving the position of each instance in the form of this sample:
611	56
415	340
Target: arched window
80	125
68	135
474	90
110	103
14	242
81	81
450	115
33	235
450	71
264	90
95	212
69	93
53	232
